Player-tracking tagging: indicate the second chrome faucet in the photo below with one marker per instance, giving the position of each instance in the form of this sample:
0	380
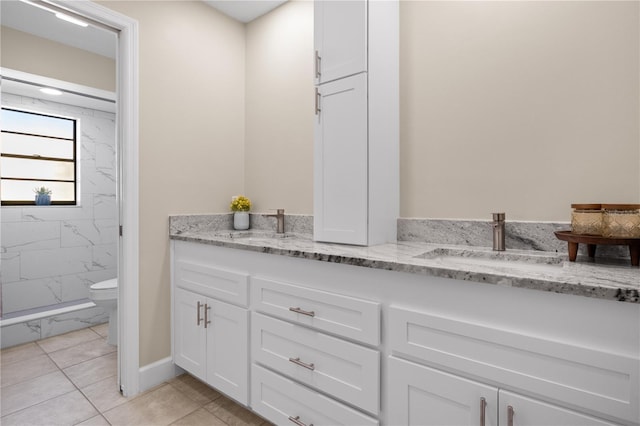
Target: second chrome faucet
498	231
280	220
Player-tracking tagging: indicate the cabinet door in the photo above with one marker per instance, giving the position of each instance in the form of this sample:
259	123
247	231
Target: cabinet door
340	37
189	338
227	349
340	162
530	412
419	395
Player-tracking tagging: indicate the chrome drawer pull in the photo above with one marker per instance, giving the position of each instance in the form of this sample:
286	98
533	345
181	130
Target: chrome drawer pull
198	316
510	413
318	95
297	421
317	64
483	408
300	311
302	364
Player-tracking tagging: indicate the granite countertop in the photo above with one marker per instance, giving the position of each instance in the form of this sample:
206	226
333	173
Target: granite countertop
538	270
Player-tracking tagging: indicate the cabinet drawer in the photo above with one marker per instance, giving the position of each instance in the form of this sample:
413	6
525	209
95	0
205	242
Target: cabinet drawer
212	281
591	380
339	368
345	316
280	400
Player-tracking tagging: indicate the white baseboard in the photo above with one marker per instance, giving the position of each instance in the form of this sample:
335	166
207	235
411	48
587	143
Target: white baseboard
157	372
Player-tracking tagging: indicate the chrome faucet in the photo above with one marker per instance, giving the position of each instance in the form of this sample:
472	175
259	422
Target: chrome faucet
498	231
280	220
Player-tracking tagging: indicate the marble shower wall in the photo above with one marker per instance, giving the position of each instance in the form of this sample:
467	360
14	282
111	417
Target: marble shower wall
52	254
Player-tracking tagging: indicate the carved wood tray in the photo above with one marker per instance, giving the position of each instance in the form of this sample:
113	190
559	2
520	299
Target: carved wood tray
592	241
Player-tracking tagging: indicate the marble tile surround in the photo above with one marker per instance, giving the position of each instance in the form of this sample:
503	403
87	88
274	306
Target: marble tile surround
52	254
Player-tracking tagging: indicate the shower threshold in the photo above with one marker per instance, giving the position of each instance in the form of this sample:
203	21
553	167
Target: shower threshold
45	312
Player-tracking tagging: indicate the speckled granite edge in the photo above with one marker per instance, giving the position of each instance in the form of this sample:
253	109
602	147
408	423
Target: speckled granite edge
537	236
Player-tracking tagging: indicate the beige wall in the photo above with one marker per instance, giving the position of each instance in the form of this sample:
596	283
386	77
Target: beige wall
279	109
522	107
191	136
28	53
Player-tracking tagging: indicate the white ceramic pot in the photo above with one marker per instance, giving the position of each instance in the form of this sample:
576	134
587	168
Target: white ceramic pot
241	220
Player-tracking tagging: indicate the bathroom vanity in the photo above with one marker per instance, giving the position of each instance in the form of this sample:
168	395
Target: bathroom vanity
408	333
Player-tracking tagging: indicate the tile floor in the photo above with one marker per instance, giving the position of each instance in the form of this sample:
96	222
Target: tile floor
71	380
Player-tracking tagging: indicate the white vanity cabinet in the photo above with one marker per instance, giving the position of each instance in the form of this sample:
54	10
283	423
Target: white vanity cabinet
340	38
356	133
210	336
327	343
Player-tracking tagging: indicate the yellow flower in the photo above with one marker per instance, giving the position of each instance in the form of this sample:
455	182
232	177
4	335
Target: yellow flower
240	203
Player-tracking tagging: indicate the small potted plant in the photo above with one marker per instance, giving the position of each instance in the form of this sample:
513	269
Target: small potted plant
240	206
43	196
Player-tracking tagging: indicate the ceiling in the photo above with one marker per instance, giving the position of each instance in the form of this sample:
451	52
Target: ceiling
244	10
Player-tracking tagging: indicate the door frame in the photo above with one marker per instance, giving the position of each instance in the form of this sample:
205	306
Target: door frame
127	192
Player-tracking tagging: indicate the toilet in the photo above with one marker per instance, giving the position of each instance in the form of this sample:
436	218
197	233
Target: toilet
105	295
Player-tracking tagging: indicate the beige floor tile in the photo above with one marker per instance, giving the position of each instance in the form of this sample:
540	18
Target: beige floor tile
95	421
83	352
34	391
64	341
20	371
68	409
104	394
199	417
232	413
195	389
93	371
20	353
102	329
163	406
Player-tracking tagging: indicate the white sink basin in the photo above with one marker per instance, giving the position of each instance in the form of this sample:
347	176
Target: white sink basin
509	259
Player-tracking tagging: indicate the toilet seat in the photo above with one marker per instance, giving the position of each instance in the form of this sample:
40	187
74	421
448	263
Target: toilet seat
105	285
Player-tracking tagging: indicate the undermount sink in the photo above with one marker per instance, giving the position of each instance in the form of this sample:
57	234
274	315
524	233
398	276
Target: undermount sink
492	258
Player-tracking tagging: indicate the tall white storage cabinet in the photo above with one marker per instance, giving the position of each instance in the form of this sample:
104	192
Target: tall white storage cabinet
356	160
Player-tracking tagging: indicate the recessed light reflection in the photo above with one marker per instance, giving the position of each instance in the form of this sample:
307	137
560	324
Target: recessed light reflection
50	91
71	19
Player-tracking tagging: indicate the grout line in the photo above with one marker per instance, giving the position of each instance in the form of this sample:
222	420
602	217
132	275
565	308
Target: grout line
78	389
37	403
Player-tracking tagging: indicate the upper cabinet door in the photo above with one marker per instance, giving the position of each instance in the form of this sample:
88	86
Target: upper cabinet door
340	162
340	36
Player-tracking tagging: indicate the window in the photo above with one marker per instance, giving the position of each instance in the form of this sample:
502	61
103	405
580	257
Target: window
37	150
